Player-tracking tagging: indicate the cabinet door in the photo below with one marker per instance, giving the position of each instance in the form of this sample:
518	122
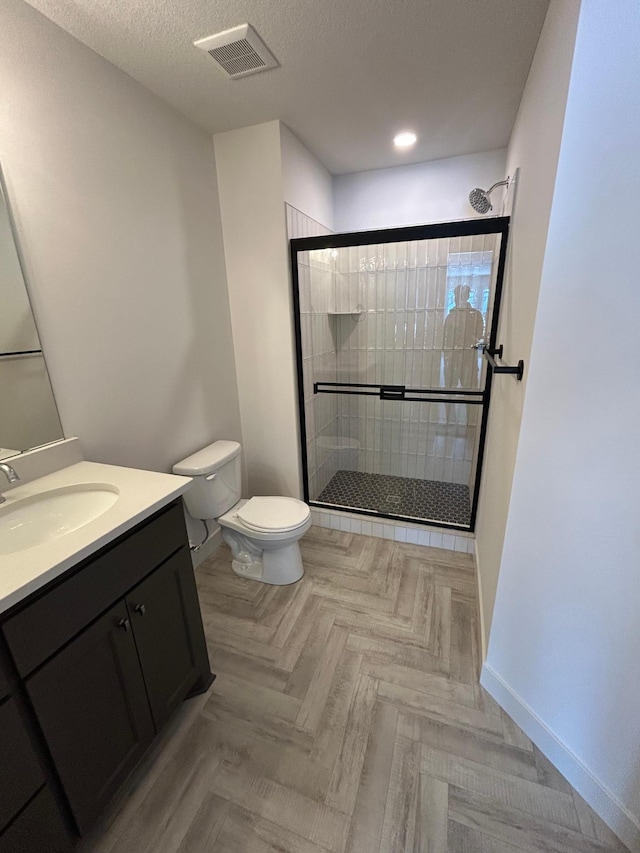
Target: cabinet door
20	771
39	829
92	706
4	682
167	627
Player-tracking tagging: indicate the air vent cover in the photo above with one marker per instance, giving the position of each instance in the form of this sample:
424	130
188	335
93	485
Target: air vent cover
238	52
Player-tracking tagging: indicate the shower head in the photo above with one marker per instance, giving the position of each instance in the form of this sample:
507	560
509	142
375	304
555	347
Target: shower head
479	199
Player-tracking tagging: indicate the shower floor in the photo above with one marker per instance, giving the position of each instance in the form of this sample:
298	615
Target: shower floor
430	500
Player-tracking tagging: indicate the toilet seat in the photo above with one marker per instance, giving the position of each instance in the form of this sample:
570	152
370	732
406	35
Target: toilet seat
273	514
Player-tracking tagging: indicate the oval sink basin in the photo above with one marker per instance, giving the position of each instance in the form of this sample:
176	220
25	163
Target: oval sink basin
49	515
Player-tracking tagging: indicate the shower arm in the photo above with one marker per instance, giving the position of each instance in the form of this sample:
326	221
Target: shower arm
504	183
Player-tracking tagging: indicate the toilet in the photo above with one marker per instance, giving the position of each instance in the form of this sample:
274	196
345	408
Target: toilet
262	532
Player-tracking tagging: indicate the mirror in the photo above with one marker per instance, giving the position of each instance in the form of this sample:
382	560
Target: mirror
28	412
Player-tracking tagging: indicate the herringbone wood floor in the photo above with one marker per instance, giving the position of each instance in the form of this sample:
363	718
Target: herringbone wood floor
347	716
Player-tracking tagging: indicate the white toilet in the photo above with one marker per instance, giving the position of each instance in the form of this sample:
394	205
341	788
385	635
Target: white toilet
262	532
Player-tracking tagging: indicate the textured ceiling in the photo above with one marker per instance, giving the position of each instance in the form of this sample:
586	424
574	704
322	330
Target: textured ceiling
352	73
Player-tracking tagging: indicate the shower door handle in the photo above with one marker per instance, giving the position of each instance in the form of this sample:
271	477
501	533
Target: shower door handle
392	392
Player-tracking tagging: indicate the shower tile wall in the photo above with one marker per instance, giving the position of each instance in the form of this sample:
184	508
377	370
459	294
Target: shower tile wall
316	279
391	301
300	225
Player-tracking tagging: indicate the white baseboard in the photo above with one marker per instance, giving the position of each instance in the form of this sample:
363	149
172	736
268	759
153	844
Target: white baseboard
599	797
483	630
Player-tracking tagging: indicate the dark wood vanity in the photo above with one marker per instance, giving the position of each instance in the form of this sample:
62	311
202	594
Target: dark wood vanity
92	667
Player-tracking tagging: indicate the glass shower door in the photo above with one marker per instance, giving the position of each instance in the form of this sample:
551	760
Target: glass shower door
394	388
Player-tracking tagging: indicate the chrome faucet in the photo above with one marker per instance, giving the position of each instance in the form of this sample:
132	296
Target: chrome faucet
12	476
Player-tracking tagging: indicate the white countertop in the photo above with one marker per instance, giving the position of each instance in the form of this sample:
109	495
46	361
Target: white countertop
141	493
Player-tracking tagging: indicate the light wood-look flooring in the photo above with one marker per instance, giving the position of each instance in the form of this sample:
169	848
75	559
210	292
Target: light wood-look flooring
347	717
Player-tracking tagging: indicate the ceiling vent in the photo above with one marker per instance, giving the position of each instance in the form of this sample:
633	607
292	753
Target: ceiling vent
238	52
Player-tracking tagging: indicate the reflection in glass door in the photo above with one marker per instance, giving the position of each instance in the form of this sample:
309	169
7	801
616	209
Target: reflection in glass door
394	390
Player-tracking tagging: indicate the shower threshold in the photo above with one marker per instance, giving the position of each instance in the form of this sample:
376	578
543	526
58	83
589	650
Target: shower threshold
415	500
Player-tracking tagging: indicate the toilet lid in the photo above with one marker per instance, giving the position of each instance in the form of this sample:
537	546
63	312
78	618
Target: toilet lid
273	514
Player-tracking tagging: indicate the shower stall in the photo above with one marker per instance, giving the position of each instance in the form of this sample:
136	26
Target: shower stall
394	391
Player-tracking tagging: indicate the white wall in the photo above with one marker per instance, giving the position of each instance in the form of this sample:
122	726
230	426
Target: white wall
259	169
533	152
566	628
117	213
307	185
437	191
249	169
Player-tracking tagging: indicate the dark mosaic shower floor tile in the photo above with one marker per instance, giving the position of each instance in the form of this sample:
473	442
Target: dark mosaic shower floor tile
448	503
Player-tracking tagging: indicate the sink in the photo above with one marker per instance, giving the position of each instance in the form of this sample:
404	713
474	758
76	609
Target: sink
41	518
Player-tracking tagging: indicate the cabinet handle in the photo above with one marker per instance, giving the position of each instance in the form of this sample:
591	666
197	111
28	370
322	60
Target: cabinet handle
141	609
124	623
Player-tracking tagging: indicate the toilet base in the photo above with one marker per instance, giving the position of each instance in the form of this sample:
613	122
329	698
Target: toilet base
278	566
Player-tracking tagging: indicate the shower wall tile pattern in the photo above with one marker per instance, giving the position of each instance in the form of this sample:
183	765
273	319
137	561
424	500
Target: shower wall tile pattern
410	439
316	272
392	302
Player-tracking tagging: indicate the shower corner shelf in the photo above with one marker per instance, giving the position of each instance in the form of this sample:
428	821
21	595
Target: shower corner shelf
356	315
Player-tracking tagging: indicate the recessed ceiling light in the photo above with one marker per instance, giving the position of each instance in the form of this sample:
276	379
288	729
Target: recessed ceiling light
405	139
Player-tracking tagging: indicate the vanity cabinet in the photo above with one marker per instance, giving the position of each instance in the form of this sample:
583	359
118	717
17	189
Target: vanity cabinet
37	829
4	683
20	769
30	819
107	654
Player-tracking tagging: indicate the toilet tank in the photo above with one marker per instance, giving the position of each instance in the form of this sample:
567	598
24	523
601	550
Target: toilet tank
216	476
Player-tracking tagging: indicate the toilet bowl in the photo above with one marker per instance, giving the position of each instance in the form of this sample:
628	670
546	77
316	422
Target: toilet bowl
262	532
263	546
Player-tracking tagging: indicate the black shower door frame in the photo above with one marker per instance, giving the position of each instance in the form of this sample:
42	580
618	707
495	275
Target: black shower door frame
462	228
